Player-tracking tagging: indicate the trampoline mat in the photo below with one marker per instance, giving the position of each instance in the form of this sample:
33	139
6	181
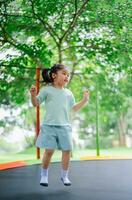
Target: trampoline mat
91	180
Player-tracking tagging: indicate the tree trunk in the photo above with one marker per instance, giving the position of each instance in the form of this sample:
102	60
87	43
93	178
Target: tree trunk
59	53
122	131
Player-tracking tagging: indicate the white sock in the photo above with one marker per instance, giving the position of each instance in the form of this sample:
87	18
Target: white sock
44	172
64	173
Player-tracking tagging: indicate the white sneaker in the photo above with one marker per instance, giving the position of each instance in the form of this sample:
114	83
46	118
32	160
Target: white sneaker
44	181
66	181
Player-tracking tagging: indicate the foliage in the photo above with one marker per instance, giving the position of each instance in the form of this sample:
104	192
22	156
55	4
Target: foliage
92	37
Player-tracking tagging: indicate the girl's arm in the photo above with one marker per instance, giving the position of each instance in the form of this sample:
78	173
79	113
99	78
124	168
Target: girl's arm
33	96
80	104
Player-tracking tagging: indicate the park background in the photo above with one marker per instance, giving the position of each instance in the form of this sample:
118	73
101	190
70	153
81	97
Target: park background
93	38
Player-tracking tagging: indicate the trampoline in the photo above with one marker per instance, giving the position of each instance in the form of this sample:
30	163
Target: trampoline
91	180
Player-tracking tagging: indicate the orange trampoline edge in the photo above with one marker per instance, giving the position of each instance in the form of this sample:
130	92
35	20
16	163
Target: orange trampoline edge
10	165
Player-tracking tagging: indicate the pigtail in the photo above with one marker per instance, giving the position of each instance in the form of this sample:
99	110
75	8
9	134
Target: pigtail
46	75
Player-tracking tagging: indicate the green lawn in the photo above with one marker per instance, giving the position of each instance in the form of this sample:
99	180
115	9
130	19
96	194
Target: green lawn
29	155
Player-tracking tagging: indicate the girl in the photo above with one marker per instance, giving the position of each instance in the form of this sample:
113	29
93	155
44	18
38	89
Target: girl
56	131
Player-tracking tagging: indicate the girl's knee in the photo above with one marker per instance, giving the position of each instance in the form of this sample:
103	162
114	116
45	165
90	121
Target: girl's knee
49	152
66	152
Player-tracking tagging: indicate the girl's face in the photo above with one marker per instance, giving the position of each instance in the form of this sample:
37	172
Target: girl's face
61	77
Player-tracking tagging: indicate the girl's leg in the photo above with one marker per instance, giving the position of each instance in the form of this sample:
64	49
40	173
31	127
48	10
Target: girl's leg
65	165
45	164
46	158
65	159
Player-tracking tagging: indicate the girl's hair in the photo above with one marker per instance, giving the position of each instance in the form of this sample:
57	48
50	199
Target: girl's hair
47	73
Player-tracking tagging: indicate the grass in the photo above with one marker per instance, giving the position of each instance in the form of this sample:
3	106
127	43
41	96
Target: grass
29	155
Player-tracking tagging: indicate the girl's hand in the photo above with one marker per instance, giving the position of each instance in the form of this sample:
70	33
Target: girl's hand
85	95
33	90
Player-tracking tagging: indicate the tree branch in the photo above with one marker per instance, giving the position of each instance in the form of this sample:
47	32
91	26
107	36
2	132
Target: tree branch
75	6
81	46
75	17
72	72
46	25
14	43
16	15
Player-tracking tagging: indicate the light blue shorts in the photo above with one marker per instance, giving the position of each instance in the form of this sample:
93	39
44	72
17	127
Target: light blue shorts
55	137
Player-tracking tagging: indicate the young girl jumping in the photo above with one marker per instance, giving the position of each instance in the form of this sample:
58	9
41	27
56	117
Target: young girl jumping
56	131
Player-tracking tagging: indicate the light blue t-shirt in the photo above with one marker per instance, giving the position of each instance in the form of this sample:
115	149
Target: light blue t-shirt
58	103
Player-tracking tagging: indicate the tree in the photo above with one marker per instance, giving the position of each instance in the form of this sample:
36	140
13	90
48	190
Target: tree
92	37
